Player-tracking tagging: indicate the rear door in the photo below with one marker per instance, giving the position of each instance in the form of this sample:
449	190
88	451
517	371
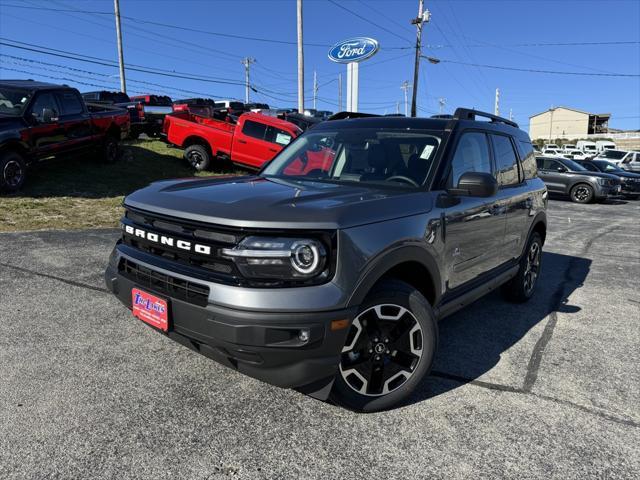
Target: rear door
555	180
47	137
74	119
475	226
250	144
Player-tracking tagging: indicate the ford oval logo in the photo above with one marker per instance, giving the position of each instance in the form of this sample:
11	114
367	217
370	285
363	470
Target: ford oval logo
353	50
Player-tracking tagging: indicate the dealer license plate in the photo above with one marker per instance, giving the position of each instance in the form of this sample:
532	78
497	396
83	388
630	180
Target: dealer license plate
150	309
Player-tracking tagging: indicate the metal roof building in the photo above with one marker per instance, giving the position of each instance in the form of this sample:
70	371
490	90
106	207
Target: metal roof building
562	122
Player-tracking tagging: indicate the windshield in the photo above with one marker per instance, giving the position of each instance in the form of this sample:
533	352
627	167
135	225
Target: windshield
573	166
607	166
615	154
13	101
366	156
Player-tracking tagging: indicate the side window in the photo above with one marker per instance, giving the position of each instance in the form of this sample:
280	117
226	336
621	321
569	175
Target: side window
590	167
254	129
506	161
69	103
550	164
275	135
472	155
528	156
42	101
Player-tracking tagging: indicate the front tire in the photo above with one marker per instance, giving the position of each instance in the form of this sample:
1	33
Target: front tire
582	193
198	157
389	349
13	172
110	150
521	287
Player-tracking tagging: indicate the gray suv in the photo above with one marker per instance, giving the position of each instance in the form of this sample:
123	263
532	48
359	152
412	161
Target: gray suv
567	177
329	270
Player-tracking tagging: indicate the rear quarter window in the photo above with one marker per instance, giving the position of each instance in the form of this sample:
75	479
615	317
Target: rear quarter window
528	156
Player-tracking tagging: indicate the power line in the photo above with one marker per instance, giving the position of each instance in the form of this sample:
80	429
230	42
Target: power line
355	14
531	70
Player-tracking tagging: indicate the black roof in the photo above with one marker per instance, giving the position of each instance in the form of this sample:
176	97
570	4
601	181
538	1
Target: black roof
30	84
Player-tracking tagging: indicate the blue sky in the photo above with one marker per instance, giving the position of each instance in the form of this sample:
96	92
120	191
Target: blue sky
473	32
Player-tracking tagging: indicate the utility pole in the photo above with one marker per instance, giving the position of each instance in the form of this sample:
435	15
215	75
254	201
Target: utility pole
247	61
123	83
315	88
511	114
496	107
300	60
441	102
423	16
405	86
398	107
551	124
339	92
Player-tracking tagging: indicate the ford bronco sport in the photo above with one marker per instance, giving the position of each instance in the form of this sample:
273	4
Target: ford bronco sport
329	270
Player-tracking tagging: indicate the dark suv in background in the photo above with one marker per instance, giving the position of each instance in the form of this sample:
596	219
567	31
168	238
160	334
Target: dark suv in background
567	177
329	270
629	181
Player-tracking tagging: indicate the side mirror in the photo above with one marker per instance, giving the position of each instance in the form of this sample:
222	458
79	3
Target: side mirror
476	184
49	115
562	169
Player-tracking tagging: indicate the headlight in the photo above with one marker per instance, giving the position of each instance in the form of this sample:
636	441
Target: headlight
279	258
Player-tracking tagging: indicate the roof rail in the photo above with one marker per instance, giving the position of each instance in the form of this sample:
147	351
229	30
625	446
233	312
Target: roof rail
470	114
343	115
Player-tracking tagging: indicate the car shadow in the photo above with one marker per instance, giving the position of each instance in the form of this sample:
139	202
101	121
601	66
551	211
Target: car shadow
141	163
473	340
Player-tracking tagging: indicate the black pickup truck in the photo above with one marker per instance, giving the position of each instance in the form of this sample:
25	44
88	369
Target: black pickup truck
42	120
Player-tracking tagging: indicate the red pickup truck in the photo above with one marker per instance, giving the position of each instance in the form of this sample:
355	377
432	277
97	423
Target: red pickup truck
251	141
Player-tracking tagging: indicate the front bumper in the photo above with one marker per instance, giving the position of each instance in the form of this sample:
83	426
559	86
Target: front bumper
262	345
602	192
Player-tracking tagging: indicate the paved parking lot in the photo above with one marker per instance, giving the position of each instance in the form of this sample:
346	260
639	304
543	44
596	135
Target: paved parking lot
549	389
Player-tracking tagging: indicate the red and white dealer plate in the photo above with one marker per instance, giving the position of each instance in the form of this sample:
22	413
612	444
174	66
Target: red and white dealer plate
150	309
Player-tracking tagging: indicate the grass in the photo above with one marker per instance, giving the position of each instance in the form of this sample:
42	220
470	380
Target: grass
81	192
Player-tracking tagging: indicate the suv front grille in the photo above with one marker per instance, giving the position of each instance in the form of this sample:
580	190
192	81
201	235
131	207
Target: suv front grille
170	286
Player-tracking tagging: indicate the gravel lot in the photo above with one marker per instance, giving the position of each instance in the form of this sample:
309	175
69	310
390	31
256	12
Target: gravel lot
549	389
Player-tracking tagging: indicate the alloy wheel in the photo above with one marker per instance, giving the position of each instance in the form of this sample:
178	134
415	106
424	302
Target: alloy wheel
195	159
13	174
383	349
582	193
532	267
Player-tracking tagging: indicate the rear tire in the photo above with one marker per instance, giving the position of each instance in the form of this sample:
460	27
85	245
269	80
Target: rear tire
389	349
110	150
13	172
521	287
198	157
582	193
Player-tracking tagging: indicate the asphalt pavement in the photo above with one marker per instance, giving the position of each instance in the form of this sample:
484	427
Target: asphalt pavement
549	389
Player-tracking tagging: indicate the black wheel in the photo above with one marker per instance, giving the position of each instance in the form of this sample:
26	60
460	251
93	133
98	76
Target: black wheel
110	150
198	157
13	172
134	135
582	193
389	349
521	287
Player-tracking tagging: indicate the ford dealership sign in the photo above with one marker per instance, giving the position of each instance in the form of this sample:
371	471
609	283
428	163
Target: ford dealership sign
353	50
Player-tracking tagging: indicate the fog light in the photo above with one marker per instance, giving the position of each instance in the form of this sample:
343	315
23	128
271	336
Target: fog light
303	336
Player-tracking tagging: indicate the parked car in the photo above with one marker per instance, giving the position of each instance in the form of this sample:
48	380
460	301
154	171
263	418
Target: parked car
629	182
550	146
155	108
552	152
256	107
234	107
251	142
332	279
625	160
193	104
604	145
566	177
42	120
568	146
139	123
575	154
587	147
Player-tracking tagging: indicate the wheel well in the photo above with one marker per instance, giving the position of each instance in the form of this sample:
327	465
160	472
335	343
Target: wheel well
541	229
194	140
15	147
416	275
114	131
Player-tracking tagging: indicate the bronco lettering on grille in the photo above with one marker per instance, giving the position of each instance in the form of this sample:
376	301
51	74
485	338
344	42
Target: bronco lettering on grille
169	241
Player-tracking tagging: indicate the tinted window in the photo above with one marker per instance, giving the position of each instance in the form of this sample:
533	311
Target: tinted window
528	156
69	103
42	101
590	167
550	164
91	96
472	155
254	129
275	135
506	160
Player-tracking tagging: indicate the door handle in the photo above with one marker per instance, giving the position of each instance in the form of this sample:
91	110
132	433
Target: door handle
242	141
273	150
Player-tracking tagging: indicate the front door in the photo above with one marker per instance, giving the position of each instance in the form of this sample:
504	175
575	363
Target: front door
552	174
75	120
47	135
475	226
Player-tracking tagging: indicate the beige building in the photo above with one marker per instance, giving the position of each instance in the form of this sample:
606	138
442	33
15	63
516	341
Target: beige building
567	122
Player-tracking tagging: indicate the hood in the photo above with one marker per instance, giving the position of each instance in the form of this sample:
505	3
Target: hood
626	174
589	173
257	202
10	126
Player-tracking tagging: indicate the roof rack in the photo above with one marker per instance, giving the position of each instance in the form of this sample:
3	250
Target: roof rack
343	115
470	114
